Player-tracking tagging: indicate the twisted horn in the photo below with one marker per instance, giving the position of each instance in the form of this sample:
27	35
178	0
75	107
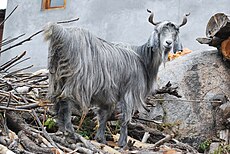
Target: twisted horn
151	18
184	21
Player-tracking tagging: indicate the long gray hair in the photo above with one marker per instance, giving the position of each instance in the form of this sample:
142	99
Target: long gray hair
86	70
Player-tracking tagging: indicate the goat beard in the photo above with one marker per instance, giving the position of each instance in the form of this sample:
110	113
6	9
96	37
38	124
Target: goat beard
165	56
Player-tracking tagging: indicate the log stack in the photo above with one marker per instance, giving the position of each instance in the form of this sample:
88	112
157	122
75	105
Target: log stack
218	34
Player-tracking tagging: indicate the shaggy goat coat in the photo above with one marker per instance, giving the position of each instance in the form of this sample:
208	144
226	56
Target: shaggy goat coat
87	70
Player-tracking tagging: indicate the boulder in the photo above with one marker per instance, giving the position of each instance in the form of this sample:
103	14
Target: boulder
200	76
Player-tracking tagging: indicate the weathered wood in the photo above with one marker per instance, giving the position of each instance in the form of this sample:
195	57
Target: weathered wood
214	41
31	146
219	26
218	34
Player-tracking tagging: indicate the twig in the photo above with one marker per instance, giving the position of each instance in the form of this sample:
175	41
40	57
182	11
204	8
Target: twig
20	43
30	38
105	148
67	21
13	60
4	40
39	137
6	94
168	89
33	105
11	40
87	143
14	72
30	145
181	145
9	15
162	141
5	150
26	78
145	137
17	63
145	128
137	143
147	120
38	80
44	131
64	148
13	109
185	100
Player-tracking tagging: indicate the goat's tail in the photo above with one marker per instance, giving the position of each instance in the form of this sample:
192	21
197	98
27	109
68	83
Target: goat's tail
52	31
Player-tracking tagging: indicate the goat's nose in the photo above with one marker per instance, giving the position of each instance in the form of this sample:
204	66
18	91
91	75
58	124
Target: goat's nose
169	42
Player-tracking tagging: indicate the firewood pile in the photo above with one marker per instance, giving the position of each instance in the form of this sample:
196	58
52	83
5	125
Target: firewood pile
27	123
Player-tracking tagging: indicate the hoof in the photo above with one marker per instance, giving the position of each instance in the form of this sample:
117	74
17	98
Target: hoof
100	140
122	143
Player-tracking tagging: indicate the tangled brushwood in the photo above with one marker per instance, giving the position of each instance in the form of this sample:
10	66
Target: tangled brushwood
86	70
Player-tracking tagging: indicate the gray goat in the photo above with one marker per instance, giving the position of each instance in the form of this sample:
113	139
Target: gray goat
86	70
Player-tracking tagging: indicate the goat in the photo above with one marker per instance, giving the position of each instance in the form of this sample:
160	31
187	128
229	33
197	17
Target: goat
85	70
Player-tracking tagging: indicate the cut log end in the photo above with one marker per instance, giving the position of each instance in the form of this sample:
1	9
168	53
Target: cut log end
225	48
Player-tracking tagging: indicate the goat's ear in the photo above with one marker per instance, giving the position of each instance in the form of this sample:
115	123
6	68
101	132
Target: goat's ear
177	45
153	39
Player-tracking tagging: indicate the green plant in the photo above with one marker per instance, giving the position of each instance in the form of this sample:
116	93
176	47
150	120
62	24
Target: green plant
204	146
85	134
50	123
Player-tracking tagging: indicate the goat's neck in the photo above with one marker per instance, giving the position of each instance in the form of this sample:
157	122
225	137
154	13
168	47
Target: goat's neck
152	59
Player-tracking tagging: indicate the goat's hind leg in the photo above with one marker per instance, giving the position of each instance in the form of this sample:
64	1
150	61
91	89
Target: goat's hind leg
63	111
103	115
125	118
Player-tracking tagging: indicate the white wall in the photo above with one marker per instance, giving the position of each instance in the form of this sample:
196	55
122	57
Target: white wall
112	20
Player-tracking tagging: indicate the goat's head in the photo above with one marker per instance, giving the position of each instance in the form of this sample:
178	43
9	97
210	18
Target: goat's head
165	35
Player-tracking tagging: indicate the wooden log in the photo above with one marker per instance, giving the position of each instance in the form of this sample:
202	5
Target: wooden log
218	26
217	30
225	48
5	150
215	41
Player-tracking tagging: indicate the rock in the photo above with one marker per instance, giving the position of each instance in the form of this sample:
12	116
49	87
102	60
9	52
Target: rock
226	110
218	99
199	75
222	115
225	135
213	147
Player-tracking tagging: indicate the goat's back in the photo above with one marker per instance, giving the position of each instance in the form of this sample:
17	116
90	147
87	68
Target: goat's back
84	66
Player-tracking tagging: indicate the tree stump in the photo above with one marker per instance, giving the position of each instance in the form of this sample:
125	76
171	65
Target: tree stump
218	33
218	26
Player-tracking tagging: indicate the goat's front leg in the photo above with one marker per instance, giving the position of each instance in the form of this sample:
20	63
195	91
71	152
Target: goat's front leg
124	130
63	111
103	115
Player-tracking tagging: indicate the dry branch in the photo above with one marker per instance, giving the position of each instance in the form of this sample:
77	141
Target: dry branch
5	150
3	43
21	42
31	146
8	15
36	33
13	60
169	90
44	131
